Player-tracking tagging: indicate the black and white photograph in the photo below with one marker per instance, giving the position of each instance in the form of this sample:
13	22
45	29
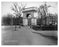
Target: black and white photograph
29	23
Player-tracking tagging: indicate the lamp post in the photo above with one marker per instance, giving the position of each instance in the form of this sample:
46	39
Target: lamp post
15	21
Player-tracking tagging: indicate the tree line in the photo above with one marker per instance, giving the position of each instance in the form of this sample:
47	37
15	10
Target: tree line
9	20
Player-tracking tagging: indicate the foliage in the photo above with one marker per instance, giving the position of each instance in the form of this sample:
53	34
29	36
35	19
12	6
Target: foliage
6	20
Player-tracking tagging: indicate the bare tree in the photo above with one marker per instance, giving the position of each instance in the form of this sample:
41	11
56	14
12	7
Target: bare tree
17	9
43	10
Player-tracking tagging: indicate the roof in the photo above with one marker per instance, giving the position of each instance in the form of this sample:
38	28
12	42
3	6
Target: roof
30	9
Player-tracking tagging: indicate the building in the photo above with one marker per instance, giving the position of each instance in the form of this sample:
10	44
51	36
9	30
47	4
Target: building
30	16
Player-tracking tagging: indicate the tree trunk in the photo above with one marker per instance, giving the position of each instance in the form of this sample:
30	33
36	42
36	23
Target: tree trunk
15	27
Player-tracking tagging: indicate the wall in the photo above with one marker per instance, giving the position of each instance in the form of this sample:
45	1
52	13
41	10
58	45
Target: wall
34	16
25	21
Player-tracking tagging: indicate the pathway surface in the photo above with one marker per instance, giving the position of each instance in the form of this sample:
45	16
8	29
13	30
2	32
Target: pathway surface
23	36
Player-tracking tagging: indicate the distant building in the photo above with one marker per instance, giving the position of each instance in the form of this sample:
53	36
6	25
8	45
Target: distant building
52	19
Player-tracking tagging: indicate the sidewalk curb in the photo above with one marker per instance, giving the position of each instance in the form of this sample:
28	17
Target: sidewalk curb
47	33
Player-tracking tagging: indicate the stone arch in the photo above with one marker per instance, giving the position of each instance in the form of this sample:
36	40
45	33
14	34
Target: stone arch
28	15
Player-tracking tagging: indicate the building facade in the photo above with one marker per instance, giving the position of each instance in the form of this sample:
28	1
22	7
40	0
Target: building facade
30	16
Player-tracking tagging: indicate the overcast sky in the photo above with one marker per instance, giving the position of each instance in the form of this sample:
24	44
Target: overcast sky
6	6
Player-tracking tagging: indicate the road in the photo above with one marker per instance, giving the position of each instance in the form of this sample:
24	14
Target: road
23	36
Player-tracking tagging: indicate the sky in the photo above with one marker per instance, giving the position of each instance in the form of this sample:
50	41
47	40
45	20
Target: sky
6	6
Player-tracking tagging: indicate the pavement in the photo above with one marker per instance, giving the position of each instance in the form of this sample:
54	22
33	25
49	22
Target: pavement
24	36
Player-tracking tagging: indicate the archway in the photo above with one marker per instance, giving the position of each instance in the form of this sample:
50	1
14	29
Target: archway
28	16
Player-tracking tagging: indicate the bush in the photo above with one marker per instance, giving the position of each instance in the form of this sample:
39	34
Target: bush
17	21
49	27
6	21
35	27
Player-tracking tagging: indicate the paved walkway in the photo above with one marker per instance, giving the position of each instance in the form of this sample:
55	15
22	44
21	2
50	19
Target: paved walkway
24	36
